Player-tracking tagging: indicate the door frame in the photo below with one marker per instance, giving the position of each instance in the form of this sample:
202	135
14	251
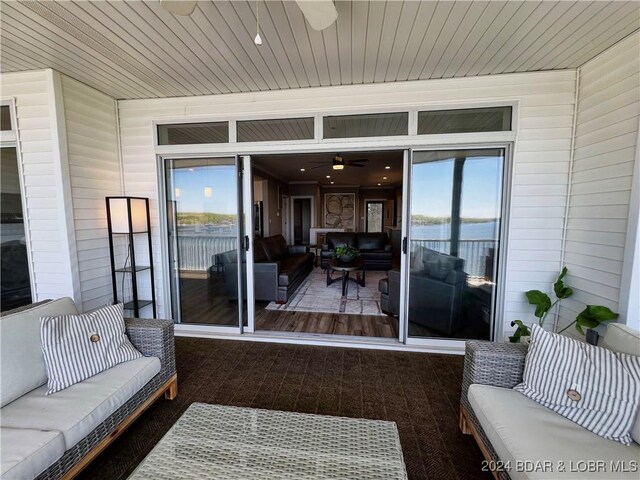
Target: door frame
292	199
366	213
245	184
498	300
437	142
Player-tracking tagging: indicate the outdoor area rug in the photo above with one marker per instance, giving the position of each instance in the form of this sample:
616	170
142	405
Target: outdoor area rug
313	295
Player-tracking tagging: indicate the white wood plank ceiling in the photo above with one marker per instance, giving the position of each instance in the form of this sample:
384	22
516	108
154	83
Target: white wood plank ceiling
136	49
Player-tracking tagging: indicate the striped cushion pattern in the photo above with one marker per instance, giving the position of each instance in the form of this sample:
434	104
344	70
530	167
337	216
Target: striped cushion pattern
594	387
77	347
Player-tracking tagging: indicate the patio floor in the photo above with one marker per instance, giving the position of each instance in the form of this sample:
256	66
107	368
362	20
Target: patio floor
420	392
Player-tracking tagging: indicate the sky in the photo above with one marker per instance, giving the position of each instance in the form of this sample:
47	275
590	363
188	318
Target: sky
481	186
220	178
431	189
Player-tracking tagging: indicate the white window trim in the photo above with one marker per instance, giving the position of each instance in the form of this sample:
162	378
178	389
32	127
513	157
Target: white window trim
13	141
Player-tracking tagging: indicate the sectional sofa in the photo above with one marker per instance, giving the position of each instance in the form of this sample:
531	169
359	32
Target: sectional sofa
56	436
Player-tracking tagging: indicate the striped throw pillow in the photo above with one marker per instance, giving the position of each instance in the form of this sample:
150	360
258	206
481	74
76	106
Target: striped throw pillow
594	387
77	347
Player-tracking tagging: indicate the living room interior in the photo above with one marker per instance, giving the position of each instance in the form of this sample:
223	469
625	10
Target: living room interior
330	239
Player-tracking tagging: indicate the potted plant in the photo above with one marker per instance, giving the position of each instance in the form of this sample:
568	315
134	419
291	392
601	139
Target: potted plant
346	253
591	317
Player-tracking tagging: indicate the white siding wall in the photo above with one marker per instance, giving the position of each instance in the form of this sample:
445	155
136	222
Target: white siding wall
541	157
605	152
94	171
42	173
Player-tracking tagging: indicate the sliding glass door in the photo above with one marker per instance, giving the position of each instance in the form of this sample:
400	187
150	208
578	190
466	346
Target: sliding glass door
454	214
206	239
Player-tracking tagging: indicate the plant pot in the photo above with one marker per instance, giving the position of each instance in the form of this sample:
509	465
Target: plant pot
346	258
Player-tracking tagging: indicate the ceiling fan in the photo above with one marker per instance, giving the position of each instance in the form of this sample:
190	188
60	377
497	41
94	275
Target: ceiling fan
338	162
319	13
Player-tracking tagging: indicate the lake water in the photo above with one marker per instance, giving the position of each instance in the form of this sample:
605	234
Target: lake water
468	231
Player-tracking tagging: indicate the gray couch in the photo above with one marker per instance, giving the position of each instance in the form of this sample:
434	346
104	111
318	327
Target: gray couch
436	289
278	269
52	436
375	249
516	434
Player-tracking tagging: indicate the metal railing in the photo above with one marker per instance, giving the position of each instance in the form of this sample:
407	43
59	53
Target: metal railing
195	252
474	252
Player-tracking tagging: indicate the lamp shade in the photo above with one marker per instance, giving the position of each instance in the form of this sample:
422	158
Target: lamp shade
121	209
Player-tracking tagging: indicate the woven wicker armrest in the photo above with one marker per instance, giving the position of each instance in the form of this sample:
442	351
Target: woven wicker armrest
489	363
154	338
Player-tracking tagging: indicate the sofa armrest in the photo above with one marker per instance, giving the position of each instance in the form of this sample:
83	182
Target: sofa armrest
267	267
154	338
297	249
491	363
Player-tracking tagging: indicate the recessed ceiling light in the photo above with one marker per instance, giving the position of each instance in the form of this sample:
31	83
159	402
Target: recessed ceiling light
387	167
332	183
328	176
384	178
302	169
379	184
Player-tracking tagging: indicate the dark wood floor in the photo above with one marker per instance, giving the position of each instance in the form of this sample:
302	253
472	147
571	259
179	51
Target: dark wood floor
328	323
205	301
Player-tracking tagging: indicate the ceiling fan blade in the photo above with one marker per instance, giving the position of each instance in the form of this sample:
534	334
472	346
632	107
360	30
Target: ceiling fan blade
355	165
319	13
358	161
179	7
319	166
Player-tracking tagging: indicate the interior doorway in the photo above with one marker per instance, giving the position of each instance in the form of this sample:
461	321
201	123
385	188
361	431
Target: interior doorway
374	215
301	221
328	195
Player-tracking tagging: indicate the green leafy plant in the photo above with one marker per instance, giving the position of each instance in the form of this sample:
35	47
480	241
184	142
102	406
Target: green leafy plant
590	317
346	250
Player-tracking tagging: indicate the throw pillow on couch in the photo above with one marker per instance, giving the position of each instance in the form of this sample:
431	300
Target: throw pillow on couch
594	387
77	347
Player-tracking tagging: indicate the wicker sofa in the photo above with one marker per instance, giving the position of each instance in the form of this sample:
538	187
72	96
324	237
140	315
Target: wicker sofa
56	436
521	439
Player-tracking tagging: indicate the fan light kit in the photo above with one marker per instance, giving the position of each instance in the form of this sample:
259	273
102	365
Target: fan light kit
258	39
320	14
338	163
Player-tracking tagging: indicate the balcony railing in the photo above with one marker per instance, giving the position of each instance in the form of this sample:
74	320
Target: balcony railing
196	251
474	252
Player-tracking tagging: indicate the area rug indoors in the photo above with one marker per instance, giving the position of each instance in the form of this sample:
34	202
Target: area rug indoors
313	295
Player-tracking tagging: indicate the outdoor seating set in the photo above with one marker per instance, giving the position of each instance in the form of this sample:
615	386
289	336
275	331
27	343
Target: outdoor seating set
56	435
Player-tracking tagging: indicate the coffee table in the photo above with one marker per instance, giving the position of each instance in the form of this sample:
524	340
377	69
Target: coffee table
216	441
356	265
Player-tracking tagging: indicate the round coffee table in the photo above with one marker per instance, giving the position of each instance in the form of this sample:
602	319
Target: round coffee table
345	269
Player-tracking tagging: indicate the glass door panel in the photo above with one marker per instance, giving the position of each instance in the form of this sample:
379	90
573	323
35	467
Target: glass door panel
454	231
206	239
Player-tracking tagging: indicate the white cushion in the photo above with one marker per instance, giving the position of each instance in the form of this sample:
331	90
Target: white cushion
592	386
77	347
521	430
27	453
77	410
21	361
623	339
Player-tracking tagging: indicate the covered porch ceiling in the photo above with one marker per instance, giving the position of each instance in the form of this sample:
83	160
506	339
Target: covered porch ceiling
136	49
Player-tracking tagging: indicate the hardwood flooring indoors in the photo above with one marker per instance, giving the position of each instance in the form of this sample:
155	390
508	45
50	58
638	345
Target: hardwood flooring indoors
205	301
